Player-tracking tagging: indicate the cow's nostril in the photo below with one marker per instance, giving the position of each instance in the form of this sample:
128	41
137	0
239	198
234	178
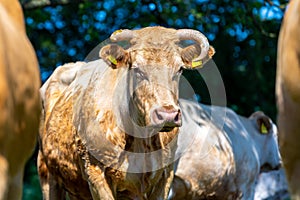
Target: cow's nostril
279	166
177	116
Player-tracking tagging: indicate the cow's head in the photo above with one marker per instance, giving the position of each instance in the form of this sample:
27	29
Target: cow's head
155	62
266	138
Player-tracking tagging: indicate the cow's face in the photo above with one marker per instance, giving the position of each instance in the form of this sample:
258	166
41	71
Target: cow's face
155	78
154	63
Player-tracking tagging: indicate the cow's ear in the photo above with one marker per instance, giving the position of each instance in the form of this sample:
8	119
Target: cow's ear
189	56
264	124
114	55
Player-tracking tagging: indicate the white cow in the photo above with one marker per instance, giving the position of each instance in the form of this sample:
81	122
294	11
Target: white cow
223	161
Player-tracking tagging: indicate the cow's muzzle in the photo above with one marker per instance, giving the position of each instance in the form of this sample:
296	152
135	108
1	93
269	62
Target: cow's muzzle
166	117
268	167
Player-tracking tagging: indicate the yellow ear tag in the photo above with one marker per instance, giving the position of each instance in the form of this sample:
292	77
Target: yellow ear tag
263	129
112	60
117	32
197	63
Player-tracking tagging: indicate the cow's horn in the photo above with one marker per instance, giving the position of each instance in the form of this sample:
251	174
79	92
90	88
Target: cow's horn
189	34
122	35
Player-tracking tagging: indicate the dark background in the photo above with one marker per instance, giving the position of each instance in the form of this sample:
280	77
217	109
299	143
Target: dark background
244	34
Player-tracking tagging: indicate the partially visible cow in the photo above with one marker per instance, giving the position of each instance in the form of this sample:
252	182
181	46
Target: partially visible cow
288	95
19	99
110	130
223	161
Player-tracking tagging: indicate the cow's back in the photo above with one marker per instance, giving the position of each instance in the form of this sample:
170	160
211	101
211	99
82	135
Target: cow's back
19	99
288	94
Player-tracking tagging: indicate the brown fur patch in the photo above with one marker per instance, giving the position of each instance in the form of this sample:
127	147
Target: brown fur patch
113	133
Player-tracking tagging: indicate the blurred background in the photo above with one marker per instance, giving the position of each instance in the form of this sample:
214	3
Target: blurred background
244	34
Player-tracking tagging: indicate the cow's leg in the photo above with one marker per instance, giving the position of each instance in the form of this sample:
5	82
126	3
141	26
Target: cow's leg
50	188
99	186
3	177
180	189
15	188
44	176
94	175
10	187
163	187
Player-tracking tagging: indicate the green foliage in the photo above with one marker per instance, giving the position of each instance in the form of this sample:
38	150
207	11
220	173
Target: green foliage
244	34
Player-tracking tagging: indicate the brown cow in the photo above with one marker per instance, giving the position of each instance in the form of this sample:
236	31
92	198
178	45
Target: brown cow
112	132
288	95
19	99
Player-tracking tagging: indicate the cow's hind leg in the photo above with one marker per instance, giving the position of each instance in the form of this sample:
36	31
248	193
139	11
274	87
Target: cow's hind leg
3	177
50	188
10	186
15	188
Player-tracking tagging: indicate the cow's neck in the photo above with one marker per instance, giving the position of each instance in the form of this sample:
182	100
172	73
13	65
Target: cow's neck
150	154
140	141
